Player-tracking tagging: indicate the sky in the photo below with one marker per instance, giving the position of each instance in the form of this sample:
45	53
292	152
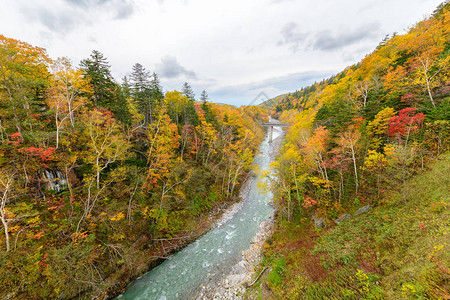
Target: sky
239	51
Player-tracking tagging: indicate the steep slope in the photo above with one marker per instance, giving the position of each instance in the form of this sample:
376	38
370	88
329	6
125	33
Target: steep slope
363	139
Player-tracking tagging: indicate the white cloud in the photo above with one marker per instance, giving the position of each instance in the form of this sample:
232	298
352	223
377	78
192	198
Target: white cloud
171	68
234	49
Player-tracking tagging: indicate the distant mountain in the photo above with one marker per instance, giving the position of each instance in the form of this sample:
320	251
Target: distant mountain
272	102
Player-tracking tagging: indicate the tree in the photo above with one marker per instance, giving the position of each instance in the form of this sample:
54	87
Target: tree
426	47
23	78
375	164
6	192
425	64
105	144
348	142
378	127
188	92
66	94
290	164
176	103
314	151
105	141
99	75
126	87
406	123
163	140
140	89
208	135
204	97
156	92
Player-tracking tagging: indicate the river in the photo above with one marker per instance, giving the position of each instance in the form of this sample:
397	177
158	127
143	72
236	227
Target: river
213	254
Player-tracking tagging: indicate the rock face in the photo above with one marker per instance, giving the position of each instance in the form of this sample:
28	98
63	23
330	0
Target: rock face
342	218
55	179
363	210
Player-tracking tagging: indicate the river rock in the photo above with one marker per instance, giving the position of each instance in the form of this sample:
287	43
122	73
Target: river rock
318	222
342	218
363	210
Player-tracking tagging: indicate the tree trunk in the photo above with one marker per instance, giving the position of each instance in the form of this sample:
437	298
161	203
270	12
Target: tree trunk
5	225
355	169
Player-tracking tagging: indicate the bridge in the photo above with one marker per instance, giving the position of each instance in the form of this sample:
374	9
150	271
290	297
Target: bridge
272	125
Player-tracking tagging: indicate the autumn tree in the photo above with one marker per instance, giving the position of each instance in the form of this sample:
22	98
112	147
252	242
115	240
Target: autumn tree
407	122
376	165
208	135
290	170
378	127
23	78
430	68
67	92
163	140
6	193
315	151
105	144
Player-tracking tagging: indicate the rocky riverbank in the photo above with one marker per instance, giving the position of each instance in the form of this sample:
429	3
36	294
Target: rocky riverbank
233	285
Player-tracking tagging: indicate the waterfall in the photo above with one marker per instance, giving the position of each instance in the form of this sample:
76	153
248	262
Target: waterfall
55	180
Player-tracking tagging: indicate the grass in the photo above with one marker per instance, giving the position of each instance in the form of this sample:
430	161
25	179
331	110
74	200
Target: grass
396	251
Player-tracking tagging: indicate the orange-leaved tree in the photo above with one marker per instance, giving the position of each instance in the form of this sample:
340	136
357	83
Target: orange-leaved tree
23	77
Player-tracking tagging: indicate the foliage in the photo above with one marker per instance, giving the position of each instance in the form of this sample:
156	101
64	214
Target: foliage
365	137
98	181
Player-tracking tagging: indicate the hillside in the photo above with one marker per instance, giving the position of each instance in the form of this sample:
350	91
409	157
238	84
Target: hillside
361	188
272	102
100	181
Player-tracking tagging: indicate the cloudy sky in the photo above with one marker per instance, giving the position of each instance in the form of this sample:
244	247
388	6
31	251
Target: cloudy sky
233	49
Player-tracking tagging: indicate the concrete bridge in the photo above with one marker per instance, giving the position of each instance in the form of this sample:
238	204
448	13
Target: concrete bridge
272	125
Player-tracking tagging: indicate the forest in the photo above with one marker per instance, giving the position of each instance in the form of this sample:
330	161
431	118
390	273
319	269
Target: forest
362	186
100	180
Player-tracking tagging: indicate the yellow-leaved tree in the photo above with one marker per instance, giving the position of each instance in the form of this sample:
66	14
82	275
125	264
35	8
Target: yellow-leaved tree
105	144
68	93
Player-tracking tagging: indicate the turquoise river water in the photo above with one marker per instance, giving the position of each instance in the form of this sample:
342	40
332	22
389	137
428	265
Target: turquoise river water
213	254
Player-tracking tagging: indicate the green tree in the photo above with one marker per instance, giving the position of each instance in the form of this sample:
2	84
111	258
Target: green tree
140	90
98	70
204	96
156	92
188	92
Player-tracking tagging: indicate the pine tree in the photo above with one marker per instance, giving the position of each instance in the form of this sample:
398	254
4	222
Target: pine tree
156	92
204	96
209	115
126	87
141	92
98	70
188	92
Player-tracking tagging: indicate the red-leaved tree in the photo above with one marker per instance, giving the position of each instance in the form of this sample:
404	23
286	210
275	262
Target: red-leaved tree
407	122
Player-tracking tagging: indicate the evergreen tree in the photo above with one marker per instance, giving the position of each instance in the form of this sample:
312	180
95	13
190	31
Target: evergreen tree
190	115
204	96
98	70
156	92
141	92
107	93
188	92
209	115
126	87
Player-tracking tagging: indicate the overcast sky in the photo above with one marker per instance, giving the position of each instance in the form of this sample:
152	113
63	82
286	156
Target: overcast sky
233	49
